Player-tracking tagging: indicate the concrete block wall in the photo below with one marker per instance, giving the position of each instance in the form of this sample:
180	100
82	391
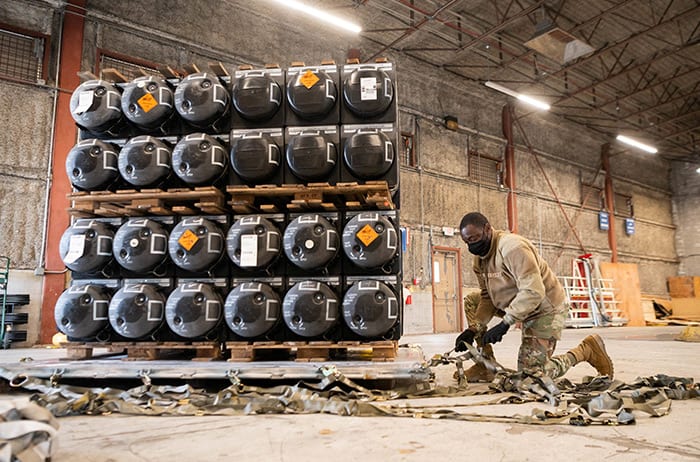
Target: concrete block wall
686	213
25	145
434	194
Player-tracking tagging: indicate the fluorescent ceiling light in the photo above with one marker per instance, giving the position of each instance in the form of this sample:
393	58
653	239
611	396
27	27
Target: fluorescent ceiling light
322	15
524	98
698	170
637	144
534	102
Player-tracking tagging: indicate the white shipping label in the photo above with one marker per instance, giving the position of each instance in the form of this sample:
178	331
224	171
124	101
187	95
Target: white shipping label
76	247
85	99
368	88
249	250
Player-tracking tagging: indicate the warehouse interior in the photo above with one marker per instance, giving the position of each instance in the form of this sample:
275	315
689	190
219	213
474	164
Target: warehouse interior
468	138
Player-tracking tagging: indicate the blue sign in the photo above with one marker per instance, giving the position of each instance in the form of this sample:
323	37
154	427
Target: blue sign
603	221
404	238
629	226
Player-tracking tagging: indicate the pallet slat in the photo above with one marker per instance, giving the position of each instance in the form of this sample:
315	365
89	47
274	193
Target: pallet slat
312	351
314	196
203	351
208	200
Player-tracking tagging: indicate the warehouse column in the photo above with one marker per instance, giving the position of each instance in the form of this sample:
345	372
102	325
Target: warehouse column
609	200
507	123
65	135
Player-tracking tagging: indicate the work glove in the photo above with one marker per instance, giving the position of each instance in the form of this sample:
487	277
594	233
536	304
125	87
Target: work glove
465	337
496	333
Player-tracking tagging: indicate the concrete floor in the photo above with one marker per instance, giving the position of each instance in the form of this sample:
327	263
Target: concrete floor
635	351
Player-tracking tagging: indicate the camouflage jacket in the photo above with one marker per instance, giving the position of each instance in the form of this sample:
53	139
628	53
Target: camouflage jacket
516	283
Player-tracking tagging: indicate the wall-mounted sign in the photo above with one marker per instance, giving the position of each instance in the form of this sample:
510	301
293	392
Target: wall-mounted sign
405	238
603	220
629	226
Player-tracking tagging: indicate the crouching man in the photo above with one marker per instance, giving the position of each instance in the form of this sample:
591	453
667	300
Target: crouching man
518	286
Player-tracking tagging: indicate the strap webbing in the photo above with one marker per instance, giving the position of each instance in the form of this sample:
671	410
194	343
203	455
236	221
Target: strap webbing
596	400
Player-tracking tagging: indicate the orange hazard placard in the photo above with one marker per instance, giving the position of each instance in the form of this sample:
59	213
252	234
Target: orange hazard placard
309	79
147	102
188	240
367	235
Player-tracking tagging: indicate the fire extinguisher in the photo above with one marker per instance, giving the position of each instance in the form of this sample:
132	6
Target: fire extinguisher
408	298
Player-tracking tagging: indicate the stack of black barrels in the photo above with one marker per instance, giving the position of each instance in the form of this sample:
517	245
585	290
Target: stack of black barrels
331	274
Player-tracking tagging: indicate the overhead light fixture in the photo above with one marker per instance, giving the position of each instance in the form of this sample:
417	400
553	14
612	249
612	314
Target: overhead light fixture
637	144
524	98
557	44
697	170
322	15
451	123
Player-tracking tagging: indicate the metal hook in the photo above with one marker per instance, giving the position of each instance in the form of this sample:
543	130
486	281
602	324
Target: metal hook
233	377
328	370
144	375
55	377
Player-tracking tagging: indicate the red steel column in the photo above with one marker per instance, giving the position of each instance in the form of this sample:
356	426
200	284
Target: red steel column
609	199
65	135
507	123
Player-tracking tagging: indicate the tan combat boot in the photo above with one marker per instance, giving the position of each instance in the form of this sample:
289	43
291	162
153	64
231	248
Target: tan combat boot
592	350
478	372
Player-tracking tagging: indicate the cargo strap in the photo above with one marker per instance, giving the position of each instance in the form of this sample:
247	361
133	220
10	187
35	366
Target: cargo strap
597	400
27	432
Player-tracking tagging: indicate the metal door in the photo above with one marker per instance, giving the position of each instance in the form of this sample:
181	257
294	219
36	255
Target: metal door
447	316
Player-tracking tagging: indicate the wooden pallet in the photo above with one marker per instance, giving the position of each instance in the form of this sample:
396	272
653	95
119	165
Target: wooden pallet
205	200
314	196
384	350
203	351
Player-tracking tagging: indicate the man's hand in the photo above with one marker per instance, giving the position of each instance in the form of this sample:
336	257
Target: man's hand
496	333
465	337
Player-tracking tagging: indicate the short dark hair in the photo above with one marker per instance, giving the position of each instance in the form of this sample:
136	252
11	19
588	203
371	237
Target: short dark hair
474	219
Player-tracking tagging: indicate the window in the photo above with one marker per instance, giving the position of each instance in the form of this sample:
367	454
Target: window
128	67
623	206
484	169
592	197
408	153
22	56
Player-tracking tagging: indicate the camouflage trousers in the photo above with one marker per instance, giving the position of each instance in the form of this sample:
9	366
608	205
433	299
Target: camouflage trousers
539	340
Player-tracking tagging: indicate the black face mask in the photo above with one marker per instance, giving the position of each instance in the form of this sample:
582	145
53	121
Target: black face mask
480	248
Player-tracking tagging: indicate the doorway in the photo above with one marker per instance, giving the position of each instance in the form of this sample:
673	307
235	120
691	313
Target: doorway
447	290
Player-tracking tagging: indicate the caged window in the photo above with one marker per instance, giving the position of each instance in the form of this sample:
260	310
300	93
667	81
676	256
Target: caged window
485	169
624	206
592	197
408	152
128	67
22	56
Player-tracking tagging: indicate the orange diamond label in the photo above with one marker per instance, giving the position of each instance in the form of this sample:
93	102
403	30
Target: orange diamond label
188	240
367	235
309	79
147	102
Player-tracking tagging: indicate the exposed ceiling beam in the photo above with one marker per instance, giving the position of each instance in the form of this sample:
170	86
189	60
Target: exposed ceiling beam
620	43
413	29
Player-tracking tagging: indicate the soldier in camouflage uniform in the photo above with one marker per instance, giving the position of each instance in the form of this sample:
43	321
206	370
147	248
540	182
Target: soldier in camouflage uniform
518	286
